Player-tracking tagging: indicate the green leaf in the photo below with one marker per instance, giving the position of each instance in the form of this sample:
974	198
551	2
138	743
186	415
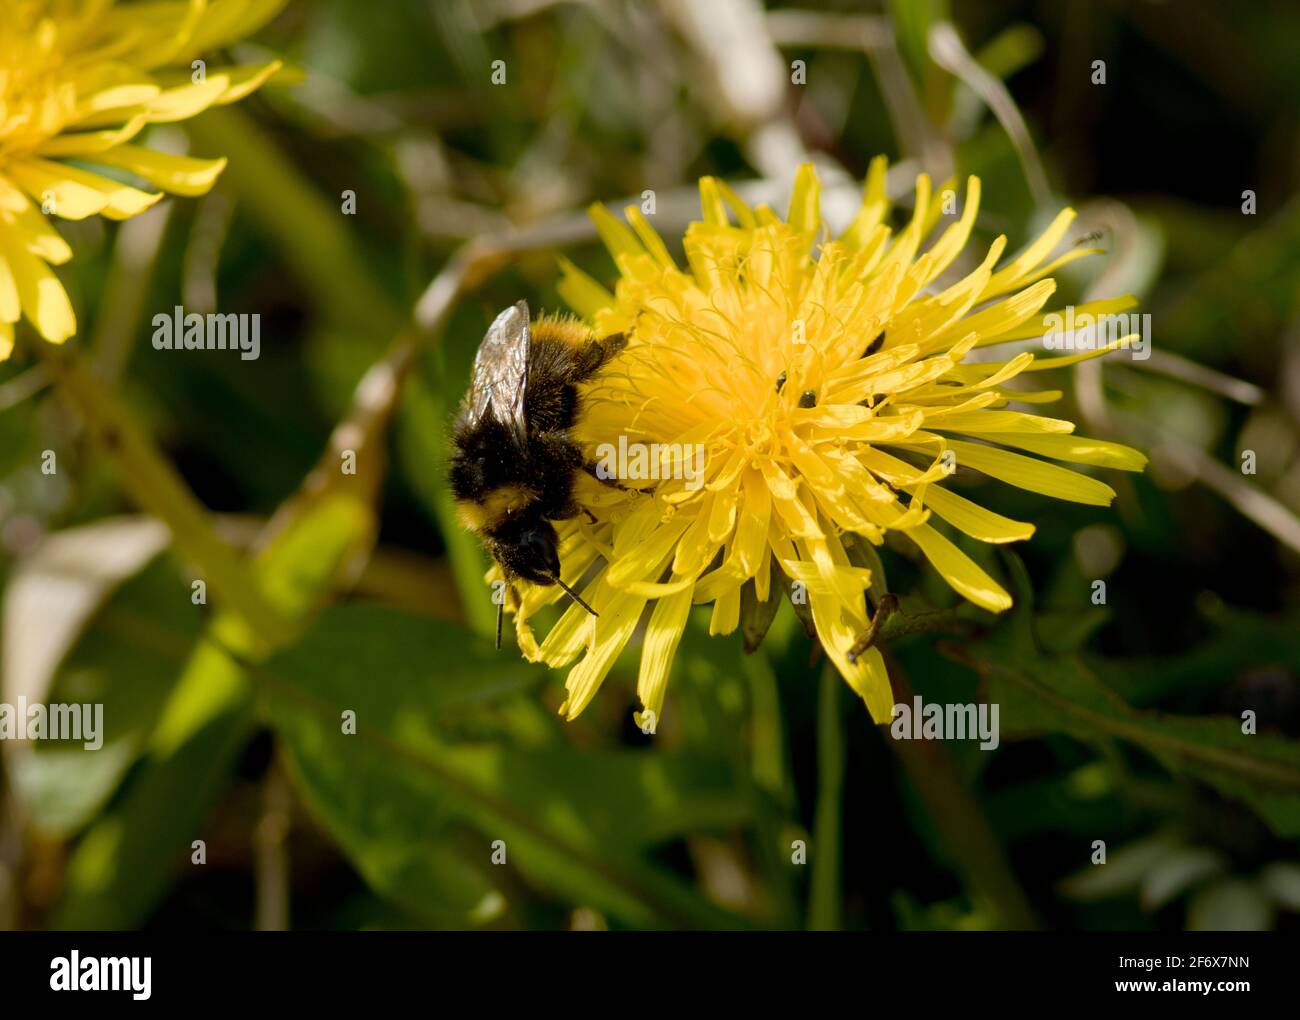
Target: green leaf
1231	905
574	822
1069	630
126	860
1058	694
1179	871
1281	880
1123	871
69	637
1238	642
137	635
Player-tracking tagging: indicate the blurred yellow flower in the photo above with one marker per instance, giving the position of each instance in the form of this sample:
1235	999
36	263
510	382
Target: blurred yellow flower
832	396
79	79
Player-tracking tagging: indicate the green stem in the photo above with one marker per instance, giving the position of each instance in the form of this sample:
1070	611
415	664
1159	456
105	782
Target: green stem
824	909
154	485
768	779
899	625
972	846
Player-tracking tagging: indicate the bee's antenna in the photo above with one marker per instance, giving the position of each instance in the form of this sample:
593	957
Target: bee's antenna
573	595
500	611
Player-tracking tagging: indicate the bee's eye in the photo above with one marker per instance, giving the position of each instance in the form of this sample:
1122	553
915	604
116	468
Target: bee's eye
538	553
532	543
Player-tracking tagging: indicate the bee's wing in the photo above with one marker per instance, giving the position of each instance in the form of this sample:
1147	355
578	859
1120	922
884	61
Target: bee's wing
501	371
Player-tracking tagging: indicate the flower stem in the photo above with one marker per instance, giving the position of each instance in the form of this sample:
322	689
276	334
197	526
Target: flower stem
824	908
972	847
154	485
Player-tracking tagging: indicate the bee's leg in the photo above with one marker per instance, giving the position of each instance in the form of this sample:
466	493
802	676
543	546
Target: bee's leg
570	510
592	358
593	469
515	604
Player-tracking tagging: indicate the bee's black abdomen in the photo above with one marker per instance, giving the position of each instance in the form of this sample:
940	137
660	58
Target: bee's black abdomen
485	457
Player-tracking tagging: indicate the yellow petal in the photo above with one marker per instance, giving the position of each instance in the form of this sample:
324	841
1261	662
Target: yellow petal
726	612
245	80
1076	450
1033	475
663	634
867	675
1041	324
644	561
31	228
1013	274
616	236
229	22
750	542
874	207
185	101
11	308
76	193
870	681
805	214
612	630
582	293
951	242
966	577
113	105
974	520
66	194
649	237
43	299
84	143
1001	421
712	207
181	175
739	208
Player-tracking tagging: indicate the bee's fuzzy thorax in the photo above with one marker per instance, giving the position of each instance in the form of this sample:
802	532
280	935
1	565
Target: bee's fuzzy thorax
563	328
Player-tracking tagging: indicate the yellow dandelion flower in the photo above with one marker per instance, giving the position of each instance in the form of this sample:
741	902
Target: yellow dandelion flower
79	79
830	389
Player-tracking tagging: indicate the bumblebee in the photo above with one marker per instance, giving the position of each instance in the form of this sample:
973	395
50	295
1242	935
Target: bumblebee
515	460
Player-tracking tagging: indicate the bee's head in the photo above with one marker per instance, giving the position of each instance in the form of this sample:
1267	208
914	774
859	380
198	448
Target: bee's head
527	547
